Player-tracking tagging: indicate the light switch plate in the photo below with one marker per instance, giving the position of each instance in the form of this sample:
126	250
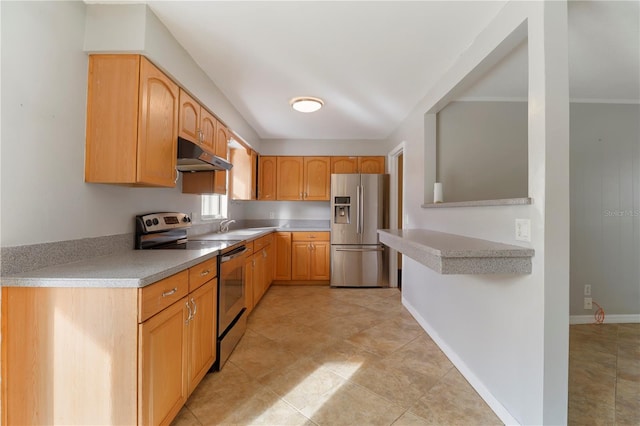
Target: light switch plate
523	230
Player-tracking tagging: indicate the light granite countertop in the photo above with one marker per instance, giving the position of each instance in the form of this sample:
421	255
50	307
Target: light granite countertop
456	254
133	268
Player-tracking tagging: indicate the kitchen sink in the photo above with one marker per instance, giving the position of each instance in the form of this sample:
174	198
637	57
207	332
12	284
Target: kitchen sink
235	234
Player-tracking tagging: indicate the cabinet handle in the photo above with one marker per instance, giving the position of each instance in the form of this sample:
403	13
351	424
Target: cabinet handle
264	253
189	310
204	273
302	195
170	292
195	308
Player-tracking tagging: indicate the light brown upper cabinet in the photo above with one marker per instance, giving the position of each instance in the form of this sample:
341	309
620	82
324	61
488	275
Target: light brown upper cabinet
344	164
317	178
373	164
303	178
290	175
132	122
196	123
267	167
222	141
242	177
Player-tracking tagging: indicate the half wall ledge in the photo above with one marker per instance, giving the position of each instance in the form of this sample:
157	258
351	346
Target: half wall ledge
480	203
457	254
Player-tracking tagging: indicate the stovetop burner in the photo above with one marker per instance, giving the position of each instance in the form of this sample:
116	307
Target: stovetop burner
168	231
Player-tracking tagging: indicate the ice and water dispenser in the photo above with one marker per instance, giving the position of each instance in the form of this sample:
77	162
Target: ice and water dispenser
342	212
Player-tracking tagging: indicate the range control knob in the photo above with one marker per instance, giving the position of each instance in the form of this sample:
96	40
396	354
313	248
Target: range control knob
148	222
186	219
155	221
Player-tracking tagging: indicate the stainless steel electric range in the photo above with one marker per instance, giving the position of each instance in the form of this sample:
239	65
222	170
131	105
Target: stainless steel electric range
168	231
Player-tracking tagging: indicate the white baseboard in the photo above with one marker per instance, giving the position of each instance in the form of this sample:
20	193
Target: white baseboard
473	380
608	319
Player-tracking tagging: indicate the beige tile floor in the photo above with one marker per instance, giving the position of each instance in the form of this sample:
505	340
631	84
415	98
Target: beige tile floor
604	374
321	356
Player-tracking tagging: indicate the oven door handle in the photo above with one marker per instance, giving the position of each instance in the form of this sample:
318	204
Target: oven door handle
233	255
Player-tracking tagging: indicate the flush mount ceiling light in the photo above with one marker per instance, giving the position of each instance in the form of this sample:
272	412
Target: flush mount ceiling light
306	104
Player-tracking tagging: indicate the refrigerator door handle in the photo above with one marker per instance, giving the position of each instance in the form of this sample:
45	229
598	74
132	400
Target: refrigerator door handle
361	249
358	209
361	209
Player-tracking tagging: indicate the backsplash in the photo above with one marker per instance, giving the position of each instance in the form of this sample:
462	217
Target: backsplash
15	260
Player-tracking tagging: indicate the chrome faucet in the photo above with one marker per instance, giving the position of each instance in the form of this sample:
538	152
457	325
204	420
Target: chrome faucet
224	224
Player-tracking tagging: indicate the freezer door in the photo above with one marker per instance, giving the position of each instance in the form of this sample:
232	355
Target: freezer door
359	266
345	221
373	206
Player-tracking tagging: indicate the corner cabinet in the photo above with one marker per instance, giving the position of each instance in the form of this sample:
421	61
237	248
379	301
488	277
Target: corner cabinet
132	122
138	366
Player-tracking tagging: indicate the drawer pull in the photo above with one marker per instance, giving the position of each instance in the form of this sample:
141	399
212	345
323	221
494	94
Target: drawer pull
204	273
170	292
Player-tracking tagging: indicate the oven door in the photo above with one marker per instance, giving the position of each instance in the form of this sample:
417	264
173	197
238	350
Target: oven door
231	283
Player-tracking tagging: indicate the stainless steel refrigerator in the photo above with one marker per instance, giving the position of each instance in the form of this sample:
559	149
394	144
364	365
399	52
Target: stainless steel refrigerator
359	207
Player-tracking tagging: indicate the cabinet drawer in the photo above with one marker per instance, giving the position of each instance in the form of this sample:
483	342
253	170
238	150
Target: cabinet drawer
261	242
155	297
310	236
202	272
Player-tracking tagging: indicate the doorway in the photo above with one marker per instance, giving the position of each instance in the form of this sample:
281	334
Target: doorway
396	210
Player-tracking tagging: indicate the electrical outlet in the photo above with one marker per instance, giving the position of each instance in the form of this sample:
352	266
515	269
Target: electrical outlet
272	215
523	230
587	290
588	303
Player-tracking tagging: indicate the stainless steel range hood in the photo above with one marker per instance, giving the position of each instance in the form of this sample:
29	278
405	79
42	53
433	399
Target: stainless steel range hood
192	158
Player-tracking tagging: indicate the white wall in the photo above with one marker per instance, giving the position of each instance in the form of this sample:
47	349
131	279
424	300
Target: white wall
507	333
44	82
605	208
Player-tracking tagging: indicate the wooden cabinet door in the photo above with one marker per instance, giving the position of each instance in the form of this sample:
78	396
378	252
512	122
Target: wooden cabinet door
241	175
248	283
254	174
290	178
157	127
162	369
198	183
209	130
320	261
189	121
258	276
282	268
222	140
317	178
202	329
267	168
344	164
269	266
112	118
300	260
371	164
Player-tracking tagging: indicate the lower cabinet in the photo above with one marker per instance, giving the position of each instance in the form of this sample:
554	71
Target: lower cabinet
106	355
163	364
259	271
310	256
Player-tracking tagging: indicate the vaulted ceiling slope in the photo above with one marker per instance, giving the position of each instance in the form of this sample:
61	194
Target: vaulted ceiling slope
372	61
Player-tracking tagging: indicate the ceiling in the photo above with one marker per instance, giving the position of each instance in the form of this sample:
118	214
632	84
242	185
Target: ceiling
372	61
